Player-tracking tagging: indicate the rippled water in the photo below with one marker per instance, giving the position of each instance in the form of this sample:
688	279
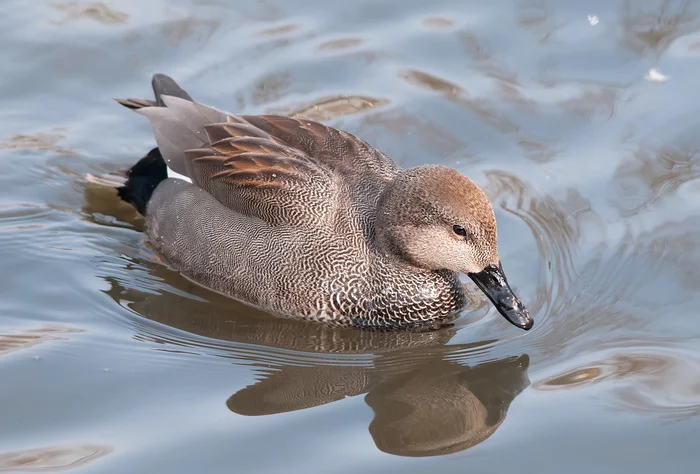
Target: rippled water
110	362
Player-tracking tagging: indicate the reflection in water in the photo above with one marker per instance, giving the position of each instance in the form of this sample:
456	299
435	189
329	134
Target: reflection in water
179	30
53	458
344	43
659	379
95	11
654	29
587	98
261	10
187	27
491	112
437	84
270	88
484	60
278	30
482	108
424	402
506	83
426	407
38	142
537	151
652	174
121	214
596	99
438	22
411	128
536	16
329	108
32	337
439	407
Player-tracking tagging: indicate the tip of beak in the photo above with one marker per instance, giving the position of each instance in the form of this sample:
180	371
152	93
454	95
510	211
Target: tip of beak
527	324
493	283
520	317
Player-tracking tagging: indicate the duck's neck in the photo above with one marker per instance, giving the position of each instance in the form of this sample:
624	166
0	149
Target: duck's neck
399	212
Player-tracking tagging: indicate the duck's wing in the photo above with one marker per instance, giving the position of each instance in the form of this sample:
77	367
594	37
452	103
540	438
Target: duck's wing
344	153
257	174
363	170
268	166
243	167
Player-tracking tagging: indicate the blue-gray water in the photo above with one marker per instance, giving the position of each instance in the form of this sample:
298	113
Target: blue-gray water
112	363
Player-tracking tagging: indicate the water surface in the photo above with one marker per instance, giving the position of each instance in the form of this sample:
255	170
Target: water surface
111	362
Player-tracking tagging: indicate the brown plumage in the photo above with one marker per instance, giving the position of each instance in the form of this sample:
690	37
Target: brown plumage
308	221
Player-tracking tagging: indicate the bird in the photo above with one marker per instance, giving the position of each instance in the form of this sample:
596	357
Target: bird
303	220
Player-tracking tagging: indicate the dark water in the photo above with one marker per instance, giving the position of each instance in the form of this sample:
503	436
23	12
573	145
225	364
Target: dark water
110	362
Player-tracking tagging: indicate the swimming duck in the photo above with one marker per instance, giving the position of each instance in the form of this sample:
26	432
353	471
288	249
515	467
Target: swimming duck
307	221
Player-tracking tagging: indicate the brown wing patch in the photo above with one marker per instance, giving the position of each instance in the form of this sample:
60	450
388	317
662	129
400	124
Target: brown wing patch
242	155
329	147
238	145
251	169
306	135
220	131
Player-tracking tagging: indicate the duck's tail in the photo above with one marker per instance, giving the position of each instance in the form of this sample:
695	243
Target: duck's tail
137	184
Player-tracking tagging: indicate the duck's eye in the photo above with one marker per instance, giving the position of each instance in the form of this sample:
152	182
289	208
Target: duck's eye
459	230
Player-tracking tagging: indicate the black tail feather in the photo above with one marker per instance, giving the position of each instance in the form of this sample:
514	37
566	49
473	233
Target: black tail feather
162	85
142	180
166	85
144	176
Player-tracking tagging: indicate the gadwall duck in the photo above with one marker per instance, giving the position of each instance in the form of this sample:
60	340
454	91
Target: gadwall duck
303	220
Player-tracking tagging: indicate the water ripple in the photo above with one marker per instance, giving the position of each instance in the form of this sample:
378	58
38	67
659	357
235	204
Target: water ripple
659	378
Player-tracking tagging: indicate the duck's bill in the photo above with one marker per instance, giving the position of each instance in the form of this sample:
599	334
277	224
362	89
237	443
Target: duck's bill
494	284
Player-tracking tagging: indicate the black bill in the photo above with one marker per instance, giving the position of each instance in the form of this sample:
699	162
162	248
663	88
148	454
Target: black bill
494	284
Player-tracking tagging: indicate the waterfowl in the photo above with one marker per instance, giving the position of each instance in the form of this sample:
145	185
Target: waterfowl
307	221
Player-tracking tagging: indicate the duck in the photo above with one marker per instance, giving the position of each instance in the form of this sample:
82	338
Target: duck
303	220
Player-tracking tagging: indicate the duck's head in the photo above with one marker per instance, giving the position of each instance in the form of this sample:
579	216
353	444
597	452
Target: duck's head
433	217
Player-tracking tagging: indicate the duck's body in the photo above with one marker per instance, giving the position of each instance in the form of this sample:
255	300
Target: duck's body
325	271
298	218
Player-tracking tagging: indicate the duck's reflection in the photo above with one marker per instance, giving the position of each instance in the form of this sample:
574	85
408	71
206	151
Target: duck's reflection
425	403
430	407
442	407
